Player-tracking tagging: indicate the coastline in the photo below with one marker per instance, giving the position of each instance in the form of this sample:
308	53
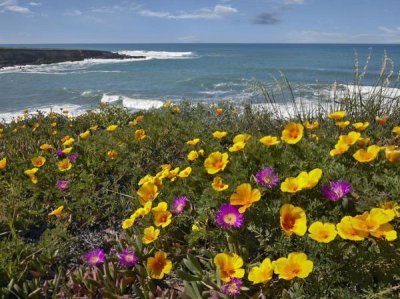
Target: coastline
11	57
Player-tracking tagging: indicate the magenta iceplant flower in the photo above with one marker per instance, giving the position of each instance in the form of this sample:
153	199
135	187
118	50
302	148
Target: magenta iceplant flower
336	190
179	204
267	177
62	185
59	153
95	257
127	257
72	158
232	288
228	216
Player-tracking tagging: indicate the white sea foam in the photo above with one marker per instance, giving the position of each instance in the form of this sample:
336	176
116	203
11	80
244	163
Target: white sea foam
74	110
131	103
158	54
141	104
110	98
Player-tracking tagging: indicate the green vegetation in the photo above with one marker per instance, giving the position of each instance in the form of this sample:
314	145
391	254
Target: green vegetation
41	255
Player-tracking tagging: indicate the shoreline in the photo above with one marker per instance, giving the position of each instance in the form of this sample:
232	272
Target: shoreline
20	57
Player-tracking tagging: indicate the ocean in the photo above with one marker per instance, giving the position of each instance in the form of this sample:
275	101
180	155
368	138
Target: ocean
196	72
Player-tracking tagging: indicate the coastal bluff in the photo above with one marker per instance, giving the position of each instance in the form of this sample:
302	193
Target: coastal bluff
25	56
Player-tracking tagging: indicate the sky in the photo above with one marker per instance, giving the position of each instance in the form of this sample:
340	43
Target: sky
199	21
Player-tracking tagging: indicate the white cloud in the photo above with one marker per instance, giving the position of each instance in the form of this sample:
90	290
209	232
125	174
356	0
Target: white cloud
12	6
385	29
35	3
73	13
116	8
290	2
218	12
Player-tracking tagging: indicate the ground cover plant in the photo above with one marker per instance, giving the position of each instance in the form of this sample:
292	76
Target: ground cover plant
202	201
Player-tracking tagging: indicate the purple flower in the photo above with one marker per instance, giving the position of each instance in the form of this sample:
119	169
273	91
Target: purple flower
232	288
60	153
179	204
95	257
228	216
336	190
62	185
267	177
127	257
72	158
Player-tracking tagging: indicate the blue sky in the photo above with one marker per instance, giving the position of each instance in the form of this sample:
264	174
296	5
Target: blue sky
163	21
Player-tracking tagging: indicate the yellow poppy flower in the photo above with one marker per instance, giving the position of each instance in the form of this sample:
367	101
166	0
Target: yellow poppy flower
269	140
162	217
46	147
216	162
159	265
54	124
241	138
176	109
218	184
337	115
340	148
193	142
219	111
147	192
361	126
229	266
127	223
64	165
32	174
69	141
371	221
295	265
309	180
38	161
291	185
142	211
150	235
262	273
244	197
193	155
350	138
111	128
57	212
368	155
322	232
67	150
346	230
85	134
93	128
293	220
311	126
112	154
392	154
292	133
140	134
396	130
219	134
167	104
238	146
386	231
185	173
342	124
3	164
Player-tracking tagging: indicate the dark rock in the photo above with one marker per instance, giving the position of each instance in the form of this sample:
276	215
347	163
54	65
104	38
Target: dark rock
14	56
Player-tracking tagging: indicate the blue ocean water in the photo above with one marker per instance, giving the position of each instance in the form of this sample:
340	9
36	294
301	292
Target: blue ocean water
199	72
